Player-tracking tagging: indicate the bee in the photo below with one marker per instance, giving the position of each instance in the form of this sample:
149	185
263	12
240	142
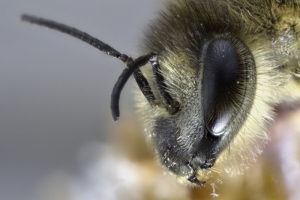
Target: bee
209	77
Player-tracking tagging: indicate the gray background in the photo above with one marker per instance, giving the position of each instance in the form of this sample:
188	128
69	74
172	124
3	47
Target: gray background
55	90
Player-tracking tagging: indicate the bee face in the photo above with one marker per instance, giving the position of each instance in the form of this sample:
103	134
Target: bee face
217	69
227	64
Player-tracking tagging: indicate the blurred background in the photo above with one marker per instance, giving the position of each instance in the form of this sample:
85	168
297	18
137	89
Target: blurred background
57	136
55	90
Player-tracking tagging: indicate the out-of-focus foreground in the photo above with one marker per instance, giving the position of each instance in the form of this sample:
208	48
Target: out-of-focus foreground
128	170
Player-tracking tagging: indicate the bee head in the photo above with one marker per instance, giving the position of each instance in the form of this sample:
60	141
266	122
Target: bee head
214	88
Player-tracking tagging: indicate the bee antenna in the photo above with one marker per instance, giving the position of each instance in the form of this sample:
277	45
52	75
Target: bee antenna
105	48
131	64
123	78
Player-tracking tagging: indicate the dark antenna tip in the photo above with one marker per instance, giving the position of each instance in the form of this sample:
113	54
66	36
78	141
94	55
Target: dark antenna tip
116	118
28	18
23	16
114	104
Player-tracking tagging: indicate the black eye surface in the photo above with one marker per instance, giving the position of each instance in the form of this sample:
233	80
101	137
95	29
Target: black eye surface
225	79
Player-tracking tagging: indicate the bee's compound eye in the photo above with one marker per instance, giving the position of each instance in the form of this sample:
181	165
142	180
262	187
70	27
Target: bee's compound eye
225	77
